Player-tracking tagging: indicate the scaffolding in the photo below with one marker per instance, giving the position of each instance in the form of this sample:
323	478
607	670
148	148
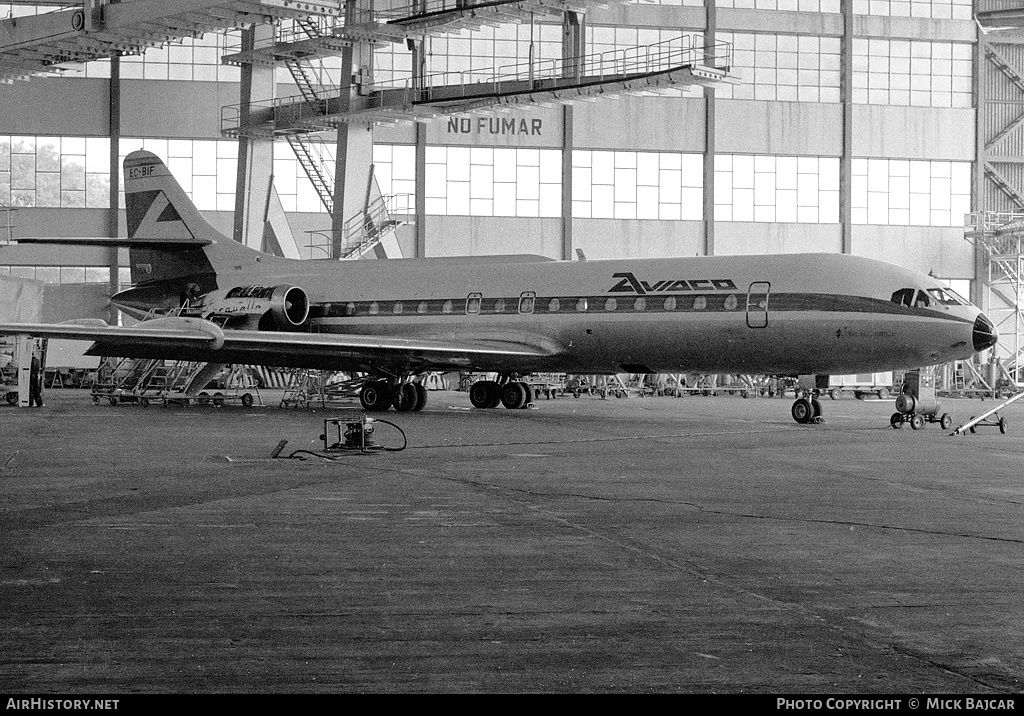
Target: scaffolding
999	237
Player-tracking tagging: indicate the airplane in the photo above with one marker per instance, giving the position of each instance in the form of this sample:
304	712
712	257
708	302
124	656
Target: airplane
394	320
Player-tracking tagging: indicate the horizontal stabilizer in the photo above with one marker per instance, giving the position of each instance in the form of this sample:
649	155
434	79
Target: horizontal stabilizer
118	241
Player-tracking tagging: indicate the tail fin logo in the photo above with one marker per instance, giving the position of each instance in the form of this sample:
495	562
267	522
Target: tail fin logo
151	215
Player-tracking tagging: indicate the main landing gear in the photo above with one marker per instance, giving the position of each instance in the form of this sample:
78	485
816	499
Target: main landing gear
513	394
379	395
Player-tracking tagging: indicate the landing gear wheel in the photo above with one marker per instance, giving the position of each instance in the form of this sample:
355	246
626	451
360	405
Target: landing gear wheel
802	411
421	397
405	398
484	394
946	421
896	420
514	395
815	411
917	422
375	396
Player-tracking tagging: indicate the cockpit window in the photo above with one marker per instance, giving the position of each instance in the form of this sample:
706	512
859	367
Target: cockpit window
947	297
914	298
904	297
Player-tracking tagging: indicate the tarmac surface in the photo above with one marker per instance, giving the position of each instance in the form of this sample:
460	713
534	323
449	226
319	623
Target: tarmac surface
635	545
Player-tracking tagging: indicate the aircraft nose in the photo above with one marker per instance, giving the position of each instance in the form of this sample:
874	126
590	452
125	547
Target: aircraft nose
985	333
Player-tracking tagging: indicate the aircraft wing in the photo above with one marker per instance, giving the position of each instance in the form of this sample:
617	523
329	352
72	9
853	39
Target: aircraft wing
175	338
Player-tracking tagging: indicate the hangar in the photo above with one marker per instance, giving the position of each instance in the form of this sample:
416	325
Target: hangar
658	549
649	129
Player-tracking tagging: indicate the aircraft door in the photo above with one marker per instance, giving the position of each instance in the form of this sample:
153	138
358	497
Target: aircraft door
757	304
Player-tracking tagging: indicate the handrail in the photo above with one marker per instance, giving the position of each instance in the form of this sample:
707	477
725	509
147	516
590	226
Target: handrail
644	59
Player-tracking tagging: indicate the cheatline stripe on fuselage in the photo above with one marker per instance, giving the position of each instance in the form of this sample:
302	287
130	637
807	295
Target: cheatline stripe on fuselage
683	303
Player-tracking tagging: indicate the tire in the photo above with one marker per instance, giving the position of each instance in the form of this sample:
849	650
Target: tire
917	422
815	408
513	395
972	427
375	396
896	420
882	393
802	411
946	421
204	398
12	398
113	401
482	394
246	400
218	399
1003	425
835	394
405	398
421	397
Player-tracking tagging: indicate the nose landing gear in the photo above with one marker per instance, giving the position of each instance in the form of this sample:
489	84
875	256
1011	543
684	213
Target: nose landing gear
807	411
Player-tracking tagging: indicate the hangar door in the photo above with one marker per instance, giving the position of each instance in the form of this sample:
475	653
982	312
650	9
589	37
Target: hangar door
757	304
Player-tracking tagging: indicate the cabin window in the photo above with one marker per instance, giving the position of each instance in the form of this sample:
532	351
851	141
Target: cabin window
526	301
581	305
611	304
640	304
374	308
397	308
730	302
499	305
447	306
700	303
421	307
670	303
473	303
922	300
350	309
553	305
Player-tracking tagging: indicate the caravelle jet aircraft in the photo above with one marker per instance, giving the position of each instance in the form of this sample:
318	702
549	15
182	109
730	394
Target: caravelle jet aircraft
798	314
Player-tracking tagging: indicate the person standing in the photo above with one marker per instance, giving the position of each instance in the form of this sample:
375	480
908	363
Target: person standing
35	387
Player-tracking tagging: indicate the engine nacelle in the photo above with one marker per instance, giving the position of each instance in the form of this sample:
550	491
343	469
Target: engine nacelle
285	306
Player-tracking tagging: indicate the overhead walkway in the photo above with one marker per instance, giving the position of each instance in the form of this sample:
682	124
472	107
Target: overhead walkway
42	44
673	64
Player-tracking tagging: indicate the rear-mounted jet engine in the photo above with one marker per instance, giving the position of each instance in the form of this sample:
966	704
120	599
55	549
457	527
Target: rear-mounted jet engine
258	307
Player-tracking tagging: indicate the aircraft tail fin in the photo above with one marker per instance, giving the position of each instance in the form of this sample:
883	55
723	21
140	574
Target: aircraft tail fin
158	209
